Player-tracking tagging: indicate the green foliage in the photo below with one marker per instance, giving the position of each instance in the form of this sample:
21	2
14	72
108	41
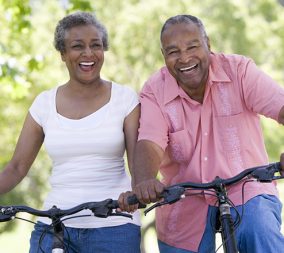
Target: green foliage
29	63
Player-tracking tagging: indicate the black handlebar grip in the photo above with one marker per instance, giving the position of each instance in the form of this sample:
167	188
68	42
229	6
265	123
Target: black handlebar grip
114	204
4	217
132	200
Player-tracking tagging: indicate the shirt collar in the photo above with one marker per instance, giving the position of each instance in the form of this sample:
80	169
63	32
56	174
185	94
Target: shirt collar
173	90
171	86
216	71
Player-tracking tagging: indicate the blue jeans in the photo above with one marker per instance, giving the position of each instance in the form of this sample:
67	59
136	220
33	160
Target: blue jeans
117	239
259	231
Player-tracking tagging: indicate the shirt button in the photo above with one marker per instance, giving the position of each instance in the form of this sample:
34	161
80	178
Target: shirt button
205	133
205	158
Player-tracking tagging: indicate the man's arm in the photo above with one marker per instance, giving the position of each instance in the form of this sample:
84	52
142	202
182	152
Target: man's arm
281	121
147	160
281	116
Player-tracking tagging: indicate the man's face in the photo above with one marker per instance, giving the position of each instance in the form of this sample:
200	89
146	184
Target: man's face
187	56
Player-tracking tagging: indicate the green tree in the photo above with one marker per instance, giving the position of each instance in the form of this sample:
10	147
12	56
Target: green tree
30	64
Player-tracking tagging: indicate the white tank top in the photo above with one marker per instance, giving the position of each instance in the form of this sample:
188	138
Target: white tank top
87	155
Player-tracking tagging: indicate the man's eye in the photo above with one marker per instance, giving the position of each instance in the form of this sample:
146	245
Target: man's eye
192	47
172	52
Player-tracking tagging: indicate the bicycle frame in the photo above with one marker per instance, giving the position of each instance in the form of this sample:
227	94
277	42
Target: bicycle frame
226	221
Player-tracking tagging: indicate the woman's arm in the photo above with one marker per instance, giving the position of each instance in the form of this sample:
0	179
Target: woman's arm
130	128
27	148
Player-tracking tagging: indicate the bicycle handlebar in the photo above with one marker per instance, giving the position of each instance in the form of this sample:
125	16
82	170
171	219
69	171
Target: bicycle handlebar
175	192
101	209
263	173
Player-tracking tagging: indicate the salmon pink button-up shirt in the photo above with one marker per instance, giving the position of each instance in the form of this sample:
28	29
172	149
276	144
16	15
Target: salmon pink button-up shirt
220	137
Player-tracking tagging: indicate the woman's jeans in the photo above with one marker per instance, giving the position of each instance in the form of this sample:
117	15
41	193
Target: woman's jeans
117	239
259	231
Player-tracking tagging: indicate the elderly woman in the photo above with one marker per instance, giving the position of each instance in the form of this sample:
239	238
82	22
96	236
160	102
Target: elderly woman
86	125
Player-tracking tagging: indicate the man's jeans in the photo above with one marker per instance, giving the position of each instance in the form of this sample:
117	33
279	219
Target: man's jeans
259	231
117	239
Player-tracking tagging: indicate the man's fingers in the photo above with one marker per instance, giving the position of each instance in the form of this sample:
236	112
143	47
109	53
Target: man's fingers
149	191
282	160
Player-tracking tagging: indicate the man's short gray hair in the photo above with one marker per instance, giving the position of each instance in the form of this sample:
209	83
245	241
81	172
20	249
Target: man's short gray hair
184	19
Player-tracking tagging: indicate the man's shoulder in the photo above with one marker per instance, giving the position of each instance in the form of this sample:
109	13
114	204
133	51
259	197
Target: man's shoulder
220	58
156	81
158	76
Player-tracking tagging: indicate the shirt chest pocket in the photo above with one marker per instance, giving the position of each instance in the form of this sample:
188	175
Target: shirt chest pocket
227	100
180	146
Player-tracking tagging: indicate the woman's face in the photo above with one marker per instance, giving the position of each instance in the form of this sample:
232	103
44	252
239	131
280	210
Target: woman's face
84	53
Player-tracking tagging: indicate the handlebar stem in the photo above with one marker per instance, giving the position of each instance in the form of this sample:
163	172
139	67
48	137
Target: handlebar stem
58	243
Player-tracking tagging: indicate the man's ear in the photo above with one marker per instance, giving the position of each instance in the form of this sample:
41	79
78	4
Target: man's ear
208	43
162	51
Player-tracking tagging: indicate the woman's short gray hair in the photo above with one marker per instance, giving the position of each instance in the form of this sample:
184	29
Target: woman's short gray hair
77	19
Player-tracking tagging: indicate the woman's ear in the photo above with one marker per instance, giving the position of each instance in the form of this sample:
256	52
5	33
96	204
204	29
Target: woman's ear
62	56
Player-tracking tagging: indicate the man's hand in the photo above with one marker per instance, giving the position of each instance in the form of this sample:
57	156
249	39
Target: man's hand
282	163
149	191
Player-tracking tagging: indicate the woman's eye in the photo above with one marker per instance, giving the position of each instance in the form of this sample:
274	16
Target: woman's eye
97	46
77	46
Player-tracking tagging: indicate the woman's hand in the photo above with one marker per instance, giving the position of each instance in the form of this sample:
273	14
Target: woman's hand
123	203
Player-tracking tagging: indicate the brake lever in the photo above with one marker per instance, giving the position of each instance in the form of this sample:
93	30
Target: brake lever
7	213
121	214
106	210
267	174
147	210
170	195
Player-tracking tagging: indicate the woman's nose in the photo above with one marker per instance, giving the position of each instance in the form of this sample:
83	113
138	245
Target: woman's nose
88	51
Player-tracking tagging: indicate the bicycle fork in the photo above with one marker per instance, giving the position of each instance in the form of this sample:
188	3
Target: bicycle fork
226	223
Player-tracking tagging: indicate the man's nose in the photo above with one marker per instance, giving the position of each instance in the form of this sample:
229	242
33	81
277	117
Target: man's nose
184	57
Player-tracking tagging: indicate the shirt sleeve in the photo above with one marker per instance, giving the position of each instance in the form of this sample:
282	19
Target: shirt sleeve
153	126
131	97
262	94
39	108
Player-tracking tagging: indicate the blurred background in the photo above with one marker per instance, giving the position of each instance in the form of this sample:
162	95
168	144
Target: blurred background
29	64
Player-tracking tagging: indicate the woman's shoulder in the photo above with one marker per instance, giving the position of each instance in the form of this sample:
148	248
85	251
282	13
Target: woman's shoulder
120	89
47	94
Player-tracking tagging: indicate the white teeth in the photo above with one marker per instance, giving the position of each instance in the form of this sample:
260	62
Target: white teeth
87	63
188	68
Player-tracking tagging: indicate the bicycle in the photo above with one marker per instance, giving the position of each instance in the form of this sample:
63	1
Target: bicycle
226	227
101	209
